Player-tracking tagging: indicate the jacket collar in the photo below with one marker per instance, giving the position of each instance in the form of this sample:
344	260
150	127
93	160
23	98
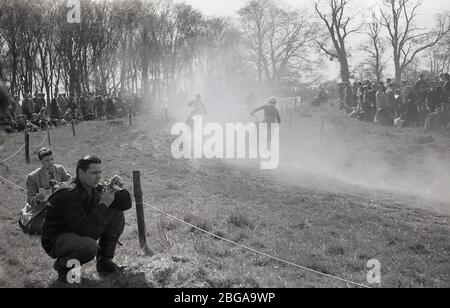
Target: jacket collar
44	175
80	186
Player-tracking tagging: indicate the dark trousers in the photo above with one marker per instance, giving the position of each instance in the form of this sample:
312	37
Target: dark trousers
71	246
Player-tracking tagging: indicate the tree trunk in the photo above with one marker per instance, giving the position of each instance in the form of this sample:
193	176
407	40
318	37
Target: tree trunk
398	72
345	71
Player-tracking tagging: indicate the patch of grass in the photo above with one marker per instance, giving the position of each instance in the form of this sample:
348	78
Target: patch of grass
385	228
220	234
251	282
258	245
240	221
170	225
198	222
425	139
263	262
240	236
418	249
225	282
335	250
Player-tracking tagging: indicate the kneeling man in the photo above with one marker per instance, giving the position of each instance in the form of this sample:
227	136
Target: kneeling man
79	216
40	185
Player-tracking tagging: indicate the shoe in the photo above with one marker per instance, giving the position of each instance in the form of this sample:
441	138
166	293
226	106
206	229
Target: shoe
108	267
60	267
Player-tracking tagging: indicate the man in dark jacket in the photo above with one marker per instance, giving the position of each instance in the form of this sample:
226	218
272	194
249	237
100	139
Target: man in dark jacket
434	96
271	114
78	216
421	88
110	107
99	107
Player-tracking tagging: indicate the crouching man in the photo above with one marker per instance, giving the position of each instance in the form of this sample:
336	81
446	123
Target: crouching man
40	185
82	215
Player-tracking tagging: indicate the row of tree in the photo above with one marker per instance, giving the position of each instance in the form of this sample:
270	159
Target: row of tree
161	47
157	46
395	25
117	46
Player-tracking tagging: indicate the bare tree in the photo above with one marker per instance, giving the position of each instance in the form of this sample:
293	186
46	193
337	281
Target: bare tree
253	23
339	28
362	71
46	46
160	46
291	37
406	38
375	49
9	20
438	57
278	39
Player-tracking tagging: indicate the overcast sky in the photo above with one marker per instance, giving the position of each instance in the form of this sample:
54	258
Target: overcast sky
230	7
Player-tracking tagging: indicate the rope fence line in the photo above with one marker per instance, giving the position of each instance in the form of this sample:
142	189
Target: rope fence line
258	252
71	123
22	147
360	285
13	184
349	282
43	140
18	151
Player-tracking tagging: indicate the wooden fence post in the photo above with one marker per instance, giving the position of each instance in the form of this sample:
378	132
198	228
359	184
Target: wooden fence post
137	188
48	137
73	128
27	146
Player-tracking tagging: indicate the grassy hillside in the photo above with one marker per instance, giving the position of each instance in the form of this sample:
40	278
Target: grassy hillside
318	209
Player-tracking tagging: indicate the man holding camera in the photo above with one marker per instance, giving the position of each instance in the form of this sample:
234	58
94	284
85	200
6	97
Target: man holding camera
79	216
40	185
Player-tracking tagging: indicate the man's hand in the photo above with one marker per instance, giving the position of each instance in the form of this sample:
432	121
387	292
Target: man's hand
107	198
64	185
40	197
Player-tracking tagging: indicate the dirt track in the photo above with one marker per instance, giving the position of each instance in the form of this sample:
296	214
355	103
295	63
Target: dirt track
312	220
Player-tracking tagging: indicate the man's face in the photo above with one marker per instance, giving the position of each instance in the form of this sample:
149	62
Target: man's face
91	178
47	162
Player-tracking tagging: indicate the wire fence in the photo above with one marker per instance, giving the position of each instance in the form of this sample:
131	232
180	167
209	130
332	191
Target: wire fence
12	156
349	282
257	252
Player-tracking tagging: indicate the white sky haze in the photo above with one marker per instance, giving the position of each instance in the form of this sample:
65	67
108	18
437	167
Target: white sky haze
229	8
